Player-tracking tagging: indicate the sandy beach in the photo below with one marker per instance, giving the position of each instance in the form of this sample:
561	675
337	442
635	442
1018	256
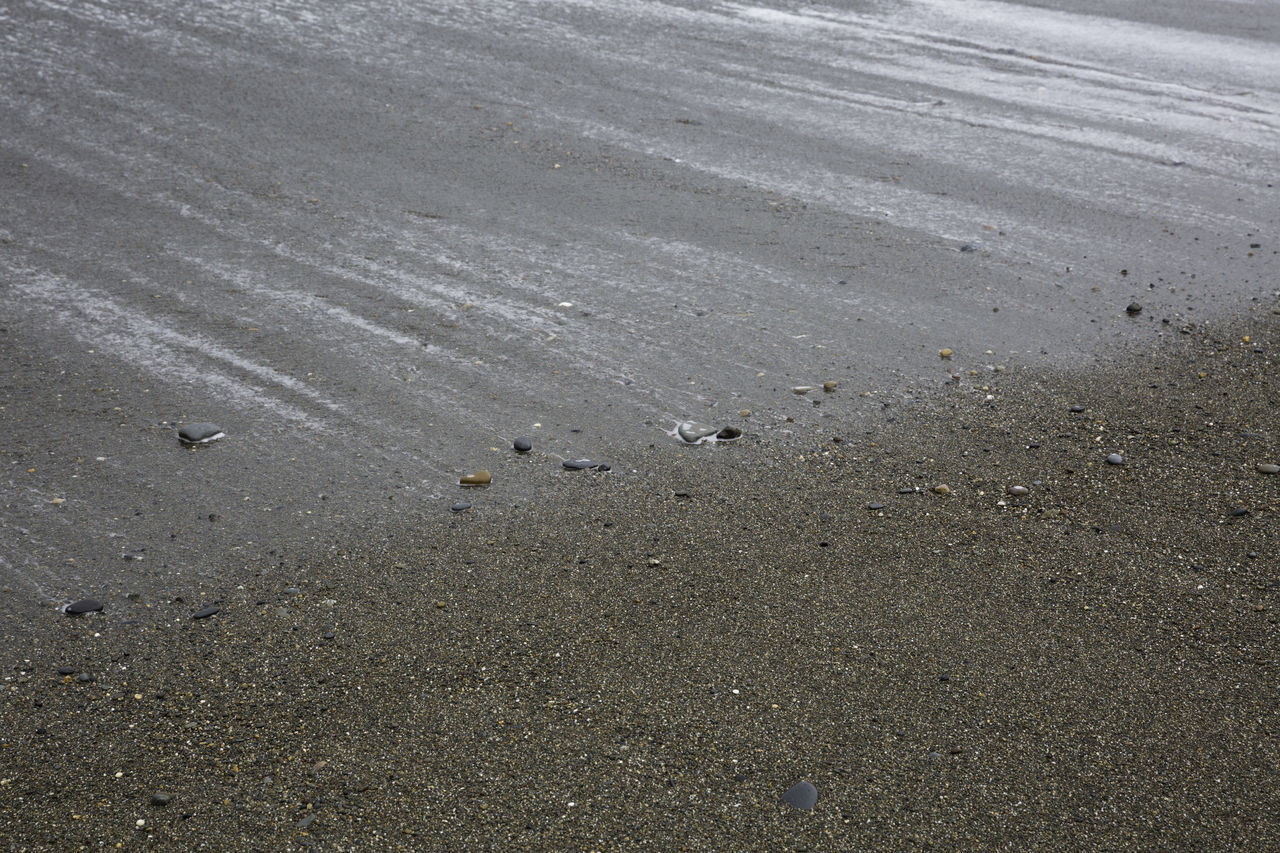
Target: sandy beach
988	289
649	658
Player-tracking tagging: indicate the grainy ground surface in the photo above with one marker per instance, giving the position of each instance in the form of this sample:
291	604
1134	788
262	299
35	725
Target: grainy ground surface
647	659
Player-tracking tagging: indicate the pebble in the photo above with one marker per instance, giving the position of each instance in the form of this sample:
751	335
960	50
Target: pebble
729	433
306	821
1239	511
603	466
969	247
66	670
460	506
945	352
1115	459
801	795
206	612
161	799
1268	468
744	413
84	605
875	506
328	635
1134	308
942	489
1077	409
479	478
201	433
694	432
1019	491
578	464
906	490
803	389
522	445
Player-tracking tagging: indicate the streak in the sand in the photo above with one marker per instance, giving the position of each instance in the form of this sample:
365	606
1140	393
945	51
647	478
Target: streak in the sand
390	234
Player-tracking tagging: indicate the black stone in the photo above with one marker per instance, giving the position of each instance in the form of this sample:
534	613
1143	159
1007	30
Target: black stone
1239	511
66	670
84	605
578	464
206	612
875	506
1134	308
328	635
604	466
84	678
729	433
1077	409
161	799
801	795
969	247
906	491
522	445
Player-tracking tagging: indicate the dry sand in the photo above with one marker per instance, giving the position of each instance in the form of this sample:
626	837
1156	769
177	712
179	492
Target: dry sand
649	658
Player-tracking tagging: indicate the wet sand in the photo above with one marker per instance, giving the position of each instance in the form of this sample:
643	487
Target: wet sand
649	658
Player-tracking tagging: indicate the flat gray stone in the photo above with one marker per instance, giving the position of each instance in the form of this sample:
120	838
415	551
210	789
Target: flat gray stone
1268	468
201	433
1115	459
206	612
695	432
1019	491
801	795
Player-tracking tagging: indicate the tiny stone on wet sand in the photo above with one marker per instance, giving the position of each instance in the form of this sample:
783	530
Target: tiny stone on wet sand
479	478
1115	459
1019	491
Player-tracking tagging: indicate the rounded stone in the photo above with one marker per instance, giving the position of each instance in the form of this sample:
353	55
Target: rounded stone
522	445
603	466
200	433
830	386
873	506
66	670
460	506
1268	468
84	605
479	478
578	464
729	433
942	489
1115	459
1077	409
801	795
206	612
945	352
1134	308
161	799
694	432
1019	491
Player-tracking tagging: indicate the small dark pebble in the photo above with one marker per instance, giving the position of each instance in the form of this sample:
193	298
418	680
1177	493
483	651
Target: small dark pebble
84	605
84	678
729	433
66	670
578	464
801	795
206	612
460	506
1077	409
306	821
328	635
875	506
1134	308
1239	511
969	247
293	590
603	466
161	799
944	677
522	445
906	491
